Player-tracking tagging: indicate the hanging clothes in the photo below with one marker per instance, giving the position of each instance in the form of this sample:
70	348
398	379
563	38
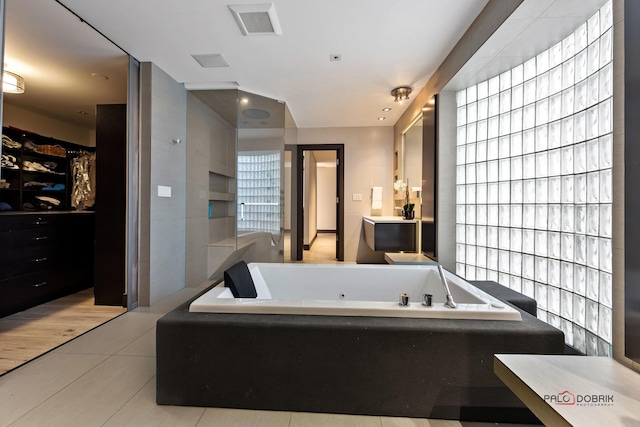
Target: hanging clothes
83	168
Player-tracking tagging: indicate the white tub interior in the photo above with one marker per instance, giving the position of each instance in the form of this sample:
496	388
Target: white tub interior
354	290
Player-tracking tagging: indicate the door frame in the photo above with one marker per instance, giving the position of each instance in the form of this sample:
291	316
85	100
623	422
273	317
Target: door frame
339	149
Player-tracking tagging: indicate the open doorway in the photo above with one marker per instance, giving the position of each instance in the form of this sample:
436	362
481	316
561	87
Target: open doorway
319	210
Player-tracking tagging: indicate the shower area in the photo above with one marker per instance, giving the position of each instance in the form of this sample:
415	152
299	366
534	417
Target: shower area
238	139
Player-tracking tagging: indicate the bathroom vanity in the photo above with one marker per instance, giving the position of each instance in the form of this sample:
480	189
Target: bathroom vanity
390	233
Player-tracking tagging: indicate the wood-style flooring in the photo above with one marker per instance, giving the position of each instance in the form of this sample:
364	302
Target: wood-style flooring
322	251
33	332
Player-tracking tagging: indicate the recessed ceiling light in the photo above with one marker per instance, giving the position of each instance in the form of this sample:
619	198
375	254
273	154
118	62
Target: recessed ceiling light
386	109
381	118
245	100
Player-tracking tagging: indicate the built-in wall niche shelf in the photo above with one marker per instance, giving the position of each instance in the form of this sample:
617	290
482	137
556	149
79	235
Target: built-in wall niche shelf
218	196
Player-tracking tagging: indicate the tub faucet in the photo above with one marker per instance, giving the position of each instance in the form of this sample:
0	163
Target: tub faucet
450	303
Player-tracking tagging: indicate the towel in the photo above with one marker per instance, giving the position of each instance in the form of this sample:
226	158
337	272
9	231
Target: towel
376	198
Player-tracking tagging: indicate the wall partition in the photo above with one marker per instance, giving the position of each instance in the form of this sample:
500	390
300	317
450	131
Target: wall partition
534	182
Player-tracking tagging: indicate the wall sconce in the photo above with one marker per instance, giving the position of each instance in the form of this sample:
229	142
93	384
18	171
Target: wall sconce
12	83
401	93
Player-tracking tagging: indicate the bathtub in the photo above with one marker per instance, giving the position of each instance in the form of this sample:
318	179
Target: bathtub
355	290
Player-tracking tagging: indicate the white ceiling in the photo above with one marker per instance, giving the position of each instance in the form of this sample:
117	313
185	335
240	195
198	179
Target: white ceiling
383	43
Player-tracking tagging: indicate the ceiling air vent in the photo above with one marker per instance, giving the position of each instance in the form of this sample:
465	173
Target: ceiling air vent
256	19
212	60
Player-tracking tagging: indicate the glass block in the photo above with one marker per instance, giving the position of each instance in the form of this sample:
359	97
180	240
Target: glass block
471	193
516	268
541	295
529	166
517	96
483	109
581	249
606	220
555	80
471	214
592	252
567	246
516	144
470	257
482	130
462	116
593	284
517	75
593	58
528	141
592	122
462	135
481	178
529	116
515	282
579	310
593	187
492	275
579	127
568	47
554	244
593	27
494	105
542	165
528	288
492	215
567	328
516	120
541	217
481	273
555	134
592	89
568	74
481	190
470	233
555	215
528	242
592	345
580	157
471	133
460	194
580	224
460	252
555	107
553	300
605	151
592	316
541	269
504	166
593	157
554	163
494	85
566	275
529	216
470	273
461	155
542	86
593	219
470	154
505	101
461	98
472	112
605	82
471	174
567	160
492	171
460	269
542	62
461	214
579	279
553	272
541	248
605	256
567	189
480	154
492	259
504	241
529	93
555	186
460	233
579	341
529	69
493	127
604	323
529	191
482	90
606	289
606	186
460	175
542	112
503	279
481	236
516	169
492	192
504	213
581	38
472	94
516	240
505	124
580	66
566	304
568	218
606	17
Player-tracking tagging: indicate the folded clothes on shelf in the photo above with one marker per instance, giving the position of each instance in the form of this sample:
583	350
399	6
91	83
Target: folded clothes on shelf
9	162
53	201
29	184
10	143
56	187
31	166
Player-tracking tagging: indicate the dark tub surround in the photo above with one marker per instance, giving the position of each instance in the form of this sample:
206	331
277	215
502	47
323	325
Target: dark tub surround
434	368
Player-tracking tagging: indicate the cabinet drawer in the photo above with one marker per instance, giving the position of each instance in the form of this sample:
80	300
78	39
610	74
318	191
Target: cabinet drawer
26	261
19	239
21	293
29	221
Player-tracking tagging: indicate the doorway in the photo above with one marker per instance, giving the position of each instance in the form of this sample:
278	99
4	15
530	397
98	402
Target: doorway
305	212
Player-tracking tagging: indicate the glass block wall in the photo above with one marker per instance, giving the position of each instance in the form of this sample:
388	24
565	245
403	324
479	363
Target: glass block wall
259	192
534	186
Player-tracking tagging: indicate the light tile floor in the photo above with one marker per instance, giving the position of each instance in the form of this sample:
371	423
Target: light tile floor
106	377
322	251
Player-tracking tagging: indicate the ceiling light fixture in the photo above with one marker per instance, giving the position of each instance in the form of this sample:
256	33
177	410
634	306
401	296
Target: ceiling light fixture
386	109
12	83
401	93
381	118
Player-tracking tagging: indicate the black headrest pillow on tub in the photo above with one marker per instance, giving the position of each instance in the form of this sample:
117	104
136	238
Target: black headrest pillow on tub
239	280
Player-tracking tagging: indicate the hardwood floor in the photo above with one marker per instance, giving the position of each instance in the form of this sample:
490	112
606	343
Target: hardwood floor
33	332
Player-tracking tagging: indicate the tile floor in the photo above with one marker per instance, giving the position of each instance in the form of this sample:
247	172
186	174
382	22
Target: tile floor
323	250
106	377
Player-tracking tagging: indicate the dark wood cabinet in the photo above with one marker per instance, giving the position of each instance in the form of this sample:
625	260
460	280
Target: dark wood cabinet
43	256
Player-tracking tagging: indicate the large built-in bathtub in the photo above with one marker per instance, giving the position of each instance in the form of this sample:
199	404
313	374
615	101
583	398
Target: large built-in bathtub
355	290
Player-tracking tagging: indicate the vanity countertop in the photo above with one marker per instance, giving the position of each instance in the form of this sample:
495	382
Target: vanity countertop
387	219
